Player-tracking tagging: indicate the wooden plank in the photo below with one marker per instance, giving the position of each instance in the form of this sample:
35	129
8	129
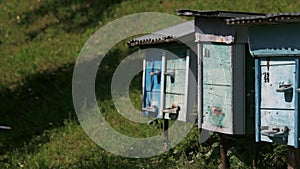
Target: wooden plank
213	38
151	100
216	64
257	100
176	84
296	114
217	97
162	96
176	58
172	100
152	74
273	74
178	63
152	81
152	84
199	84
273	124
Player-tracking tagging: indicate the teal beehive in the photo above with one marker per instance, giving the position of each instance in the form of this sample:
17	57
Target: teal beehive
225	73
274	43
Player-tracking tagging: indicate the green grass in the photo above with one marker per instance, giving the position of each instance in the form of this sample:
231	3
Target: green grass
39	44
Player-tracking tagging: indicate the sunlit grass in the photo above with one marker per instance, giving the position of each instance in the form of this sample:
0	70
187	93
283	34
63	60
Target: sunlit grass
39	44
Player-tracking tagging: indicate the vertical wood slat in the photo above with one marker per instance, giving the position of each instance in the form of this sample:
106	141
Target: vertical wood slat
199	85
296	115
257	100
162	95
186	94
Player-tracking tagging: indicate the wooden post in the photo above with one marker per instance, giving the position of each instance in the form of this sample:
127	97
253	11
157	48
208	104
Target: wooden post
166	135
255	154
223	152
293	158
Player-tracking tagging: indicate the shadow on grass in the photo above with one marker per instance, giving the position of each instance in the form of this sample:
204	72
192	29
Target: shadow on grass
45	101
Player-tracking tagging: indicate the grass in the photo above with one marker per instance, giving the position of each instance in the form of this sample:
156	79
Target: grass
39	44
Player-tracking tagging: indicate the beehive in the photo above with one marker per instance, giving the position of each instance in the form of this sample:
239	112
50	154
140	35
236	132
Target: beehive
226	74
274	42
168	73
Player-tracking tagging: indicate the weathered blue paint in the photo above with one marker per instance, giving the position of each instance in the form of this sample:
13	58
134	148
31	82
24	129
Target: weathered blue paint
217	95
277	100
257	100
153	75
276	48
275	40
296	114
152	83
175	84
166	83
227	88
273	75
216	64
151	100
273	124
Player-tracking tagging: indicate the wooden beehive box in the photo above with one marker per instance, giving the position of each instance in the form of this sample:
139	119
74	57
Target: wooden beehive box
169	68
274	42
225	67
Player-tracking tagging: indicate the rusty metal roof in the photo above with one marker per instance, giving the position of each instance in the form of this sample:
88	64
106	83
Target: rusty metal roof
170	34
275	18
215	13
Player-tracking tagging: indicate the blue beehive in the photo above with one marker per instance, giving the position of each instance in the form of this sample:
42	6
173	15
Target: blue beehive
225	79
274	42
169	67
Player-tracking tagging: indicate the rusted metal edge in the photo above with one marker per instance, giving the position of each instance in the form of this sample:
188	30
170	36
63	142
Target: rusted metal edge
214	38
166	39
292	17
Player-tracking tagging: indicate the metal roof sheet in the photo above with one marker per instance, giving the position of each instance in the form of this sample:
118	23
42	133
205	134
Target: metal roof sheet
170	34
274	18
215	13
